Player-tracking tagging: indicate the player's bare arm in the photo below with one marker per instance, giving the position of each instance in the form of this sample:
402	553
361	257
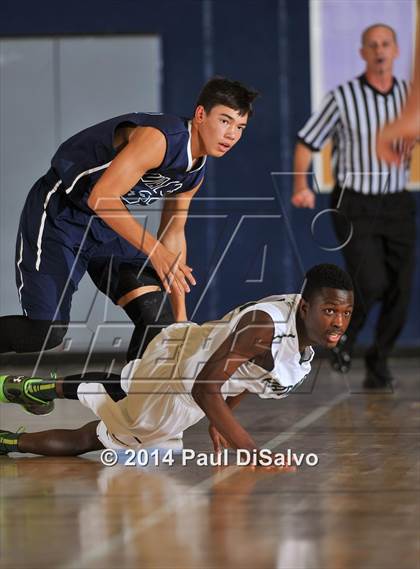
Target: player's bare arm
145	150
171	234
219	442
250	341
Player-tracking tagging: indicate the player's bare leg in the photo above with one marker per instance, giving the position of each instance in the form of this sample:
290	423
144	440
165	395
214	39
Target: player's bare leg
54	442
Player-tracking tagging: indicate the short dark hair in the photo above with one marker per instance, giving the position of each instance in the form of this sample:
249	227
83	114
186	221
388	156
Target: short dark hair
222	91
325	276
378	25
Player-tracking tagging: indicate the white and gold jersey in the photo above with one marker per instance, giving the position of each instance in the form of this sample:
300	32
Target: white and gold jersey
159	404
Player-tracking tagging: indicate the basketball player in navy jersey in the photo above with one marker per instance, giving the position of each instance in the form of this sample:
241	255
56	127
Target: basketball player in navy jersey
75	219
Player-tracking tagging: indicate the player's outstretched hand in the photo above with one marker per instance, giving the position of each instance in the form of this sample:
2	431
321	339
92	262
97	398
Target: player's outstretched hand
303	198
388	145
219	442
174	275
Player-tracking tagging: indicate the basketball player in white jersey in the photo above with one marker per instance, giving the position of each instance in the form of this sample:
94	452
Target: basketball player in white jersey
190	371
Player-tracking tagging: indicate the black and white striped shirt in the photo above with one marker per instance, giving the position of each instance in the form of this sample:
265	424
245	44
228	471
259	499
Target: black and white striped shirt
351	115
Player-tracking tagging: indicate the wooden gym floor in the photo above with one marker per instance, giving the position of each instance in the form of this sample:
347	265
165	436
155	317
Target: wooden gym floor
357	509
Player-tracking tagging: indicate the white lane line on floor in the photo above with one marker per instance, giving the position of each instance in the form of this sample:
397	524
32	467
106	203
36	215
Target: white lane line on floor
112	545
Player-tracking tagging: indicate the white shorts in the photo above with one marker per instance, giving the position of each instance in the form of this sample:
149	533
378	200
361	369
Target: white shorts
159	417
158	406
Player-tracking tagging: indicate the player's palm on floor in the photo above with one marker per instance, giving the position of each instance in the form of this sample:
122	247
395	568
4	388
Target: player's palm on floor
219	441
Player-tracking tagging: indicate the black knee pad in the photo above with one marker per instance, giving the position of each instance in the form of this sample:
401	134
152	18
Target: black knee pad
150	312
55	334
129	278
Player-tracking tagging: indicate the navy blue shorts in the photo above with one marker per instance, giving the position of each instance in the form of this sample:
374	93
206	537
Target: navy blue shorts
57	243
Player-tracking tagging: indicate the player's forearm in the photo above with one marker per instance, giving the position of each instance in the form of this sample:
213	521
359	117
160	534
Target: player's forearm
301	163
176	243
252	337
115	214
178	306
234	401
220	415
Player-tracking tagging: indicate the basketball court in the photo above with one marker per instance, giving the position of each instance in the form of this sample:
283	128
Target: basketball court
358	507
351	500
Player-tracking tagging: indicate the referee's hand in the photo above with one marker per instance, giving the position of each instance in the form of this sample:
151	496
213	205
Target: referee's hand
303	198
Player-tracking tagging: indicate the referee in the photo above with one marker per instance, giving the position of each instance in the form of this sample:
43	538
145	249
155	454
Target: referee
371	195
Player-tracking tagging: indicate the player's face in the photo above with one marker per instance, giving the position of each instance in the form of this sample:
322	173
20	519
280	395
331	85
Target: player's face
220	129
379	50
327	315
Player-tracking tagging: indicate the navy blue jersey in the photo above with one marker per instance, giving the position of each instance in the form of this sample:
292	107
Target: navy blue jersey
81	160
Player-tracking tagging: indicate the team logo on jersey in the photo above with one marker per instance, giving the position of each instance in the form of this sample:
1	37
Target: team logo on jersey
276	388
157	186
281	390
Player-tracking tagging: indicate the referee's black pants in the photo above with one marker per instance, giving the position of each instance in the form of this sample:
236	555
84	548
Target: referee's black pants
380	258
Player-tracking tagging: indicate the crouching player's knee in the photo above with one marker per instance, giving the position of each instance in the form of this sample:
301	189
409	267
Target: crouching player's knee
150	311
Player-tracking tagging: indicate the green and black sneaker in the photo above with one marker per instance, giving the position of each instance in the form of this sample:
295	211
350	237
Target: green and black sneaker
33	393
9	441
